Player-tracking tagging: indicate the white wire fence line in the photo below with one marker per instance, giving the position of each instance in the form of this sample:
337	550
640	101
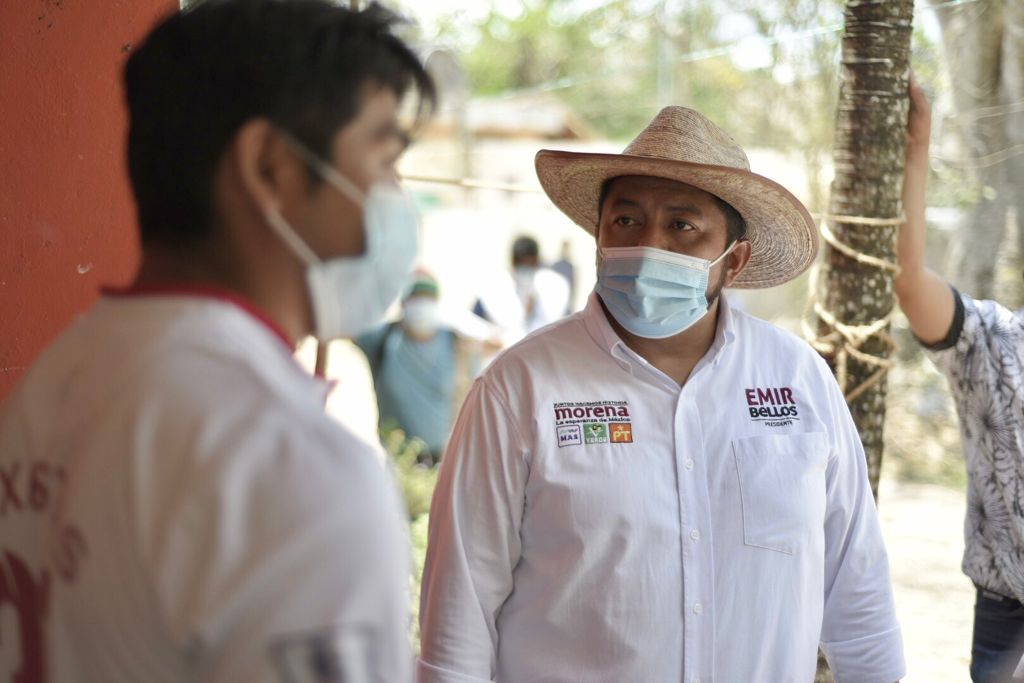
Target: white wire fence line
520	188
472	183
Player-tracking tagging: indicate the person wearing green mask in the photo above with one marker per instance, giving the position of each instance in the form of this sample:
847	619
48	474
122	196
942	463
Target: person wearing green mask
422	363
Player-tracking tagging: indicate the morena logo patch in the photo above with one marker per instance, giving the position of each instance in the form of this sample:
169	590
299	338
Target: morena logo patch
592	422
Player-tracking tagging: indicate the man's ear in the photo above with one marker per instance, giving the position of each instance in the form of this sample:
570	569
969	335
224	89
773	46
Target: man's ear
737	260
268	173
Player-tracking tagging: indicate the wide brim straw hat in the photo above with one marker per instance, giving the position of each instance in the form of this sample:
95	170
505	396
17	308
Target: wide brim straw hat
682	144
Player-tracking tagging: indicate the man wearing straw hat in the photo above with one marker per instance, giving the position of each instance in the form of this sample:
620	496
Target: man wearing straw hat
660	488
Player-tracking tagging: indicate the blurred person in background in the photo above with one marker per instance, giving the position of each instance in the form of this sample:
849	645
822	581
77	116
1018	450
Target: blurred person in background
565	267
423	363
979	346
527	298
177	504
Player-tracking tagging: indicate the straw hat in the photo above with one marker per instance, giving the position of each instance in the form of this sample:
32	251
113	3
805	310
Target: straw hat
683	145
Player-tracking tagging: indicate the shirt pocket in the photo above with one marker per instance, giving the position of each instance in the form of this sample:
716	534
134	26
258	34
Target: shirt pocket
781	480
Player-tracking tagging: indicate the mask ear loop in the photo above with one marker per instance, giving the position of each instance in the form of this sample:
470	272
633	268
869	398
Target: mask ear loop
725	253
325	170
280	226
728	250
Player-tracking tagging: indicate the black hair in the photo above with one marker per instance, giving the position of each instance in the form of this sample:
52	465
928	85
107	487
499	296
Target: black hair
735	224
525	247
205	71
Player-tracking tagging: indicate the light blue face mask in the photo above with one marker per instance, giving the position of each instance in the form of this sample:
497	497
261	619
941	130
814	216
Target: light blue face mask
654	293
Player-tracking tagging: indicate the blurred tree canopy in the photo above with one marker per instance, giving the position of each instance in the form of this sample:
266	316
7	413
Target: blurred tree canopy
766	72
618	61
984	41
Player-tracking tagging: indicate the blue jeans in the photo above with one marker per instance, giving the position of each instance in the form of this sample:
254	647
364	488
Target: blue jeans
998	638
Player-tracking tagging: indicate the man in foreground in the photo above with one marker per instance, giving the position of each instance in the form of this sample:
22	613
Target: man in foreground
660	488
181	507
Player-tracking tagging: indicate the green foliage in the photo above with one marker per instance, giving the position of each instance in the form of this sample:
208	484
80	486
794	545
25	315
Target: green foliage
604	59
616	62
417	483
922	436
416	480
534	47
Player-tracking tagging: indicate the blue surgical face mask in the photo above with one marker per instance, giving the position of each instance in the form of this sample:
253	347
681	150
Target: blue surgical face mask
350	295
654	293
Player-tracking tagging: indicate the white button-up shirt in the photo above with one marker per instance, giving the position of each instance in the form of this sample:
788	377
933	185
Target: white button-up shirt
595	522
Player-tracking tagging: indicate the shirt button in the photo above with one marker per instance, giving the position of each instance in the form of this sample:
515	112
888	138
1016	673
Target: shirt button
698	608
695	535
688	464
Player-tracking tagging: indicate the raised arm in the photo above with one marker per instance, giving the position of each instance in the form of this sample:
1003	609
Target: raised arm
924	296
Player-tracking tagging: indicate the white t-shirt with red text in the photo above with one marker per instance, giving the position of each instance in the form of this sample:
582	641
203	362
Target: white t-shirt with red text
175	505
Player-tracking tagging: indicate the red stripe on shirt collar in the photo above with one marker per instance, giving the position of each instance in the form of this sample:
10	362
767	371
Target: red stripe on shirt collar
203	291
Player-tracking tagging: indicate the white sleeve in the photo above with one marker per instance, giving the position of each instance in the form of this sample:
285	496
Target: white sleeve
860	634
474	541
552	296
502	305
281	557
469	325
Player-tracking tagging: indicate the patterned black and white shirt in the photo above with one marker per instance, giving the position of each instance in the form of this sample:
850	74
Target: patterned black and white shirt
983	358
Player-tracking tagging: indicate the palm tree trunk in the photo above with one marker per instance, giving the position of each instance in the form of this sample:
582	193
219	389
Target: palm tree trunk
869	149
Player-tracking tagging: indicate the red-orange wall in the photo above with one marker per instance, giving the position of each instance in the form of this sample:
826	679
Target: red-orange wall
66	215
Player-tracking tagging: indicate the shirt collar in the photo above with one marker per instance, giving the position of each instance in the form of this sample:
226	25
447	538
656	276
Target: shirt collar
726	332
203	291
600	329
604	334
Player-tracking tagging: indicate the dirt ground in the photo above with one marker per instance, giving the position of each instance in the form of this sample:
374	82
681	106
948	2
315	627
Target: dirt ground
923	527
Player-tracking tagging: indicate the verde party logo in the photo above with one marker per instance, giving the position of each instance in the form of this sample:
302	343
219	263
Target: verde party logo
592	422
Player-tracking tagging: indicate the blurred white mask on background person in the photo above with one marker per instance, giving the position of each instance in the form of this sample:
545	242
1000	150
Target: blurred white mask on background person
421	316
525	279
